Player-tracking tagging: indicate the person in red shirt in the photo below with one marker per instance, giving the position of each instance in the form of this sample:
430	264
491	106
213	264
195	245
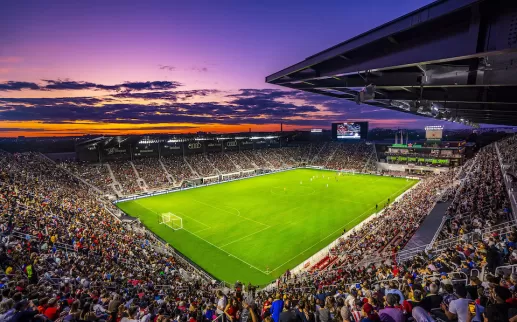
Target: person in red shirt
52	311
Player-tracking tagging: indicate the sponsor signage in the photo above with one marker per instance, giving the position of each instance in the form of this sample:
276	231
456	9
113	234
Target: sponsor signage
111	151
231	143
194	146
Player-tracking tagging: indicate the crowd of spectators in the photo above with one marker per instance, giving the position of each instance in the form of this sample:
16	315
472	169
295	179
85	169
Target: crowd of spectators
255	158
66	258
200	164
221	162
481	200
152	172
177	167
350	156
125	176
242	162
95	174
272	158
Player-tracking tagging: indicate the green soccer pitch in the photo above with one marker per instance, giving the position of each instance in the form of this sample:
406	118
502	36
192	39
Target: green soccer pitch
254	229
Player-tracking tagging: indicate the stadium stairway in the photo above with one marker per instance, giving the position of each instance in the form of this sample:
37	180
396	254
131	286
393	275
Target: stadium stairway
190	167
141	182
233	162
425	233
265	160
169	177
251	161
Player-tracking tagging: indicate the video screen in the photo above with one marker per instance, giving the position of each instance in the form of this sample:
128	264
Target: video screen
350	131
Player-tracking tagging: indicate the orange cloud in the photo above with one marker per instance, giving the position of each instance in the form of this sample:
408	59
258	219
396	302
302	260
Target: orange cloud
41	129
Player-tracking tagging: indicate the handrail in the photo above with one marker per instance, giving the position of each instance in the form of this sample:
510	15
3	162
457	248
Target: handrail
513	269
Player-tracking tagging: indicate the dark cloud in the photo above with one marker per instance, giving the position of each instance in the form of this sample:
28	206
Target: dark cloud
126	86
53	101
248	106
17	86
168	95
200	69
80	85
167	67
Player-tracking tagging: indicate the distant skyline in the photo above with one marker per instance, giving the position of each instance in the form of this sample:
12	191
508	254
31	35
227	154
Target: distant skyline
132	67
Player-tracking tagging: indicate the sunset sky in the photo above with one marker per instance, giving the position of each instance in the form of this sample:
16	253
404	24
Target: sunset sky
127	67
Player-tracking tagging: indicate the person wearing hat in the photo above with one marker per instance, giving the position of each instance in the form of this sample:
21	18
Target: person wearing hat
369	315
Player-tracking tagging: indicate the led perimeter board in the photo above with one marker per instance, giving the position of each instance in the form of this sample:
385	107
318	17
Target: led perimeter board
350	131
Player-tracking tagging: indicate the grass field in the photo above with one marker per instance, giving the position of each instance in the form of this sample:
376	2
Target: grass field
254	229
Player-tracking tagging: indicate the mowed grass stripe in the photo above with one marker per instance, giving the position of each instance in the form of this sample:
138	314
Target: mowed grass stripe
271	222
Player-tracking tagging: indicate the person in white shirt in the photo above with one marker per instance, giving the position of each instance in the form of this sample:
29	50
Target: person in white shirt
221	303
458	309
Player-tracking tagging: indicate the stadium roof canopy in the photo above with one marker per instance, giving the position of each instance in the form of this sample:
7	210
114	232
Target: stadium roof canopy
454	60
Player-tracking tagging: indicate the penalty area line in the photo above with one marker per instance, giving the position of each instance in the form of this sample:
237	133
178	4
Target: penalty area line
206	241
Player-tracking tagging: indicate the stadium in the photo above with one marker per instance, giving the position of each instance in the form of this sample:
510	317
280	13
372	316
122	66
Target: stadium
345	223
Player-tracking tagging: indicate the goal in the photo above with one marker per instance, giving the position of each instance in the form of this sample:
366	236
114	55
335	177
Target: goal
172	221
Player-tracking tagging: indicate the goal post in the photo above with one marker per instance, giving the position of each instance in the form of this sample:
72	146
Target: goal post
172	221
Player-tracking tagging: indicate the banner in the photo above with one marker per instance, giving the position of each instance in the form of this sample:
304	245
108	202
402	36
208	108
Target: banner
246	145
116	153
213	146
231	146
87	153
193	147
171	149
146	151
260	144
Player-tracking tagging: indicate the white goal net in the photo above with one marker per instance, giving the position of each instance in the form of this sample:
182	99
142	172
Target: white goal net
172	221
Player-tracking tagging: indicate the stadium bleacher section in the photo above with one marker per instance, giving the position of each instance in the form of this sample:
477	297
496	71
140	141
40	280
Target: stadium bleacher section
66	257
152	172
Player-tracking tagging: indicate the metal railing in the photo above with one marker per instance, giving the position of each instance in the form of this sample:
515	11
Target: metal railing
506	270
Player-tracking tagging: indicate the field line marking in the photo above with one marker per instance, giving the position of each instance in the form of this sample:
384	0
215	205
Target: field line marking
198	231
335	231
206	241
202	223
246	236
238	215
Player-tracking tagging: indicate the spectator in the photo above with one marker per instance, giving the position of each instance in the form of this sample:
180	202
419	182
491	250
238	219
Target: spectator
458	308
391	313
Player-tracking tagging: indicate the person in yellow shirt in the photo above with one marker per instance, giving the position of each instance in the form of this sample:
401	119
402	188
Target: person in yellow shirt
53	239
